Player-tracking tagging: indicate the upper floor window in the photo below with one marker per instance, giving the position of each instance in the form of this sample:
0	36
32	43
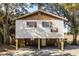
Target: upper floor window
54	29
31	24
47	24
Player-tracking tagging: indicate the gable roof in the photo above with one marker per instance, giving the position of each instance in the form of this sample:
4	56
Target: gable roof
62	18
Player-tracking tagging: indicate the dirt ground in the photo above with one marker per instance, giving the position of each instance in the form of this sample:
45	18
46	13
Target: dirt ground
9	50
4	49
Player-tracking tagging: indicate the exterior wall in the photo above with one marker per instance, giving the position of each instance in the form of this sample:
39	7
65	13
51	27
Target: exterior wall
22	31
70	37
43	42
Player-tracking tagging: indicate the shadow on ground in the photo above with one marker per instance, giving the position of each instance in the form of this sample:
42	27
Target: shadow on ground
71	47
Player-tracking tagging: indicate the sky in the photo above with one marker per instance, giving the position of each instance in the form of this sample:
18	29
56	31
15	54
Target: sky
32	9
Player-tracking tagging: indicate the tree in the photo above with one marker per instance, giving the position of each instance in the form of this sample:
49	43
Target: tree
9	12
71	12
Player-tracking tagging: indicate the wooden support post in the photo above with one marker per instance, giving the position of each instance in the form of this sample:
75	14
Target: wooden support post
16	44
58	43
62	45
24	42
10	40
38	44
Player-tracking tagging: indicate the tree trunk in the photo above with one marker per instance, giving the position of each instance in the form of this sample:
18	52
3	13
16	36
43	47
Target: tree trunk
74	39
5	24
5	32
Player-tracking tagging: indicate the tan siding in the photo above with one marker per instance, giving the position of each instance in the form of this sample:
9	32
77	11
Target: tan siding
70	37
38	17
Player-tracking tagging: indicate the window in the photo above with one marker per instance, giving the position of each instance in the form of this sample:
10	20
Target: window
55	29
31	24
47	24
